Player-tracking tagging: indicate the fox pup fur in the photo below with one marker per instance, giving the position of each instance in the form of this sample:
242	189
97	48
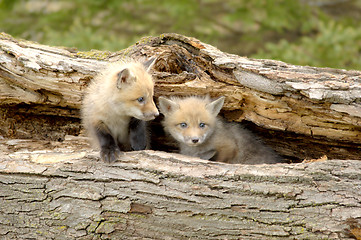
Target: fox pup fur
116	105
194	124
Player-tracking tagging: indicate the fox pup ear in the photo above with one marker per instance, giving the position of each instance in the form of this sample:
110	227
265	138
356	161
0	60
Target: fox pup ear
124	77
166	105
215	106
149	63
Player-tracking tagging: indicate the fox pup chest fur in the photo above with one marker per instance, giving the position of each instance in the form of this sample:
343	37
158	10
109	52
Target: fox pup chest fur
194	124
116	105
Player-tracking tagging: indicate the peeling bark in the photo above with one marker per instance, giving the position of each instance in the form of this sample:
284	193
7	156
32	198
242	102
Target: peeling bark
67	193
302	112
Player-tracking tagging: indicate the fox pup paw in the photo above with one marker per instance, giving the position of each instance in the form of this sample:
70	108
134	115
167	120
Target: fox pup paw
109	154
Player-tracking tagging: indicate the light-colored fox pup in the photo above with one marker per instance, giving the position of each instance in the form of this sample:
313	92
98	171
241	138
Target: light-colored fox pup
194	123
116	105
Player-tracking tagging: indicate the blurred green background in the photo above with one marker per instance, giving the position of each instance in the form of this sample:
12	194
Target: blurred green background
323	33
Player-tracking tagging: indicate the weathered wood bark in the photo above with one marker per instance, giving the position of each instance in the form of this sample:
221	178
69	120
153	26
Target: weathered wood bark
55	187
67	193
301	111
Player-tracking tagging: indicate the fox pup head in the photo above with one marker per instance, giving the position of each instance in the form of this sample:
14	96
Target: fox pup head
190	120
133	89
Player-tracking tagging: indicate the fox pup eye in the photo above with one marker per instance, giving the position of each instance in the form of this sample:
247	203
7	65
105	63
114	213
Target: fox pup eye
183	125
202	125
141	100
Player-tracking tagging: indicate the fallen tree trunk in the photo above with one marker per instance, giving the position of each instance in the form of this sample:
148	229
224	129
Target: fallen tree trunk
303	112
53	186
67	193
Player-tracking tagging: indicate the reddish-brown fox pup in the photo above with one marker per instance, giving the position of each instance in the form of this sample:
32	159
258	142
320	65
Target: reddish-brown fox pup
194	123
116	105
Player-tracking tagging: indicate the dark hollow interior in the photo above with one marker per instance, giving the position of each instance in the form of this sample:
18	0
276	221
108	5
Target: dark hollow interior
31	122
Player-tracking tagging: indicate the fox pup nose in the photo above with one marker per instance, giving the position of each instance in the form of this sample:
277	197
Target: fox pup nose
151	115
195	140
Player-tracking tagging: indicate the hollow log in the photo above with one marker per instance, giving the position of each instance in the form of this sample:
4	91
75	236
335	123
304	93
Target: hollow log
53	186
302	112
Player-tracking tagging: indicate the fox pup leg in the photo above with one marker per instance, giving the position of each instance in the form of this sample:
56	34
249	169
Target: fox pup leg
225	156
138	134
226	153
208	155
109	151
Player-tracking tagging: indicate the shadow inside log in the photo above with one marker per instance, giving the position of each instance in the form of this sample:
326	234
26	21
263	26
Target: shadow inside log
292	147
31	122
